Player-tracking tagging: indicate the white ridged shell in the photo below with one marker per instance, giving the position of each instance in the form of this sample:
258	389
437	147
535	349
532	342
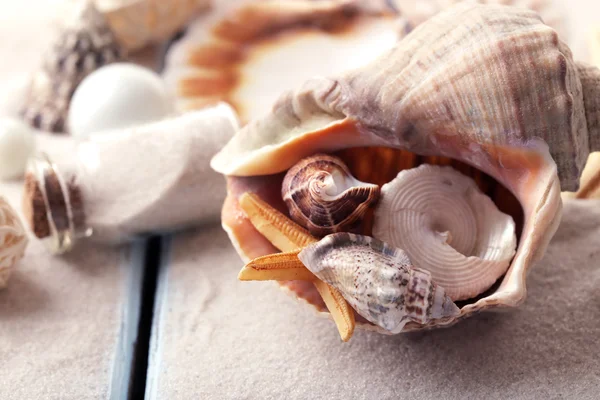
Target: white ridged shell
448	227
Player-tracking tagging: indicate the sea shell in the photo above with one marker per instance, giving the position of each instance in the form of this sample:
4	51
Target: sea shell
379	281
140	22
247	55
417	12
85	44
448	227
13	240
590	178
324	197
491	86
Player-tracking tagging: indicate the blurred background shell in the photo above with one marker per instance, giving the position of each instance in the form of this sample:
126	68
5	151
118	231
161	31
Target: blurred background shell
590	178
85	43
249	53
13	240
140	22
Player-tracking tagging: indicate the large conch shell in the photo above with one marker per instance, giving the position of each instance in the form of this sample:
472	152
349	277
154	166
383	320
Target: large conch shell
589	187
491	86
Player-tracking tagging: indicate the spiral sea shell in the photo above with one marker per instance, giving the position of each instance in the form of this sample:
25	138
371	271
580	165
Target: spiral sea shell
448	227
324	197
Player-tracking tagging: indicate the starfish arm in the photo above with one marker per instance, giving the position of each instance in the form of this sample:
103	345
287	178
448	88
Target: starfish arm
279	267
288	236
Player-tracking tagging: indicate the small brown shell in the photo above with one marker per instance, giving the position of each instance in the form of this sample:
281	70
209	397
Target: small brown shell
324	197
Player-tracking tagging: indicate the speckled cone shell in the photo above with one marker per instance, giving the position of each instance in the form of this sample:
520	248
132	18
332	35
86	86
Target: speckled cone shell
491	86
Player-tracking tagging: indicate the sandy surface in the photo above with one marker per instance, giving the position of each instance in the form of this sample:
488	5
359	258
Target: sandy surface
61	332
217	338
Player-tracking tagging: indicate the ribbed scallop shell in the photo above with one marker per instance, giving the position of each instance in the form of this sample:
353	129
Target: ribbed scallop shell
324	197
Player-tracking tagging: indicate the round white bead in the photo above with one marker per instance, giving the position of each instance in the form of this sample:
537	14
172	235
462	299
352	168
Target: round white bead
17	143
117	96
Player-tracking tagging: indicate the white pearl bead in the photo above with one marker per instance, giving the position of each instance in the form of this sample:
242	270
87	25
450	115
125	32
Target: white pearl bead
117	96
17	143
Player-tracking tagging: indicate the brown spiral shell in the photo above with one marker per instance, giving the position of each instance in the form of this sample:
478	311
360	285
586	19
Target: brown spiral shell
324	197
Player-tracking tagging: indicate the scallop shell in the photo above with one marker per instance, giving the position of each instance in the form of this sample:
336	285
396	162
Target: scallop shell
13	240
491	86
324	197
140	22
248	55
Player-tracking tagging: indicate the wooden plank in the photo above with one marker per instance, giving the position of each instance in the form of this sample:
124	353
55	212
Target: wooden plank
217	338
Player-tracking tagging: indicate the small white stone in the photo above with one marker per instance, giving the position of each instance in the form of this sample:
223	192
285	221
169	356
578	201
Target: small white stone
117	96
17	143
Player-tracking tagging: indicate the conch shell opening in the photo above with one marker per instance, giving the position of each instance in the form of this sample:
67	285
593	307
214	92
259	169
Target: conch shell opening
488	89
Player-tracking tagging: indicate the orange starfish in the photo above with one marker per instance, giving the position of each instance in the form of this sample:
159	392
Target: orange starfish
290	238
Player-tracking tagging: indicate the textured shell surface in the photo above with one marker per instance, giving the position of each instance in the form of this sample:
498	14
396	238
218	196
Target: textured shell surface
324	197
378	280
448	227
499	79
